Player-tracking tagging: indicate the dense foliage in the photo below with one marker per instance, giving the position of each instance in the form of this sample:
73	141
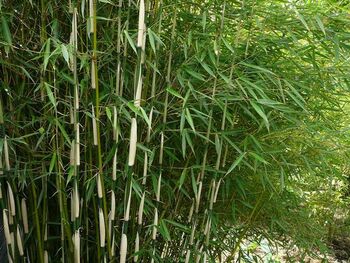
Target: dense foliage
238	107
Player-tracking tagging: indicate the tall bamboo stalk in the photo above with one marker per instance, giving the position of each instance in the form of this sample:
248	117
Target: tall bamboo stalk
100	175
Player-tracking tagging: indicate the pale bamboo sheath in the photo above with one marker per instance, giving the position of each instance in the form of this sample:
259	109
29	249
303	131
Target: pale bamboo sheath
76	239
94	126
140	213
99	186
141	25
137	246
123	248
102	228
76	201
133	141
91	20
19	242
127	210
11	200
6	227
6	153
24	215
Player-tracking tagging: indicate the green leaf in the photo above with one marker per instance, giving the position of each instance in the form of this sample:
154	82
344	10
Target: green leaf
178	225
217	144
131	42
189	141
47	53
295	95
228	45
6	30
194	74
109	114
189	119
1	146
225	78
50	94
182	121
65	54
53	162
182	178
204	20
258	157
183	144
64	133
301	18
151	40
154	39
207	69
194	184
163	229
70	174
260	111
174	92
140	112
6	33
145	117
320	24
235	163
257	67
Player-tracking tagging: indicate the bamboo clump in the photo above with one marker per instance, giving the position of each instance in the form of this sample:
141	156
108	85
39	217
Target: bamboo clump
170	131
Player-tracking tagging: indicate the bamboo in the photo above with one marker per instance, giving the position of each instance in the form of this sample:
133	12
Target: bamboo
19	242
6	153
133	141
98	118
123	248
102	228
6	227
11	200
24	216
96	131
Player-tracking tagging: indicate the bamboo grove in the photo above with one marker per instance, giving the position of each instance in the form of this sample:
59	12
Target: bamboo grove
167	131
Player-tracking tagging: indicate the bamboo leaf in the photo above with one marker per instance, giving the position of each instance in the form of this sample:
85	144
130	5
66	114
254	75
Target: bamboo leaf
53	162
6	30
151	40
64	132
256	67
189	119
194	74
229	47
50	94
189	141
207	69
260	111
236	162
131	42
183	144
320	24
178	225
174	92
109	114
163	229
182	178
258	157
301	18
65	53
47	53
6	33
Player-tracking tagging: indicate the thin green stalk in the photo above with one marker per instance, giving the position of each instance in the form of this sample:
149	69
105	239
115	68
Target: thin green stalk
97	114
35	210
